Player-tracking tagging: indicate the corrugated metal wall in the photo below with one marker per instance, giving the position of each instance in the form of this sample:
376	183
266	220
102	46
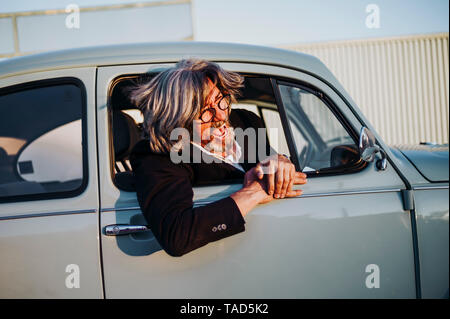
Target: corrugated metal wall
401	84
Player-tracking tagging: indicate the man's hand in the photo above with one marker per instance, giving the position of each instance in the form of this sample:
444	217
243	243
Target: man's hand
280	176
256	188
254	183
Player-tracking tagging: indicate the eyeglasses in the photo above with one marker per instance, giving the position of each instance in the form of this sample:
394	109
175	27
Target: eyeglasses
208	114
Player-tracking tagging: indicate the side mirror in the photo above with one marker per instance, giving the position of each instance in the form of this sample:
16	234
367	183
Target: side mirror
344	155
368	148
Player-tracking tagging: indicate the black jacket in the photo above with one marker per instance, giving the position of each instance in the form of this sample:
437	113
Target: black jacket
164	192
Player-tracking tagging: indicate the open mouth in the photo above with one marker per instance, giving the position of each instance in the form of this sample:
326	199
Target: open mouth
220	132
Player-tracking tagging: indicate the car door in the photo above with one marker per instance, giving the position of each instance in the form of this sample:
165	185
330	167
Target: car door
49	242
347	236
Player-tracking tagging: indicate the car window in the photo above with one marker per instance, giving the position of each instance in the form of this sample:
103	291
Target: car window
318	139
271	118
277	140
41	140
321	141
249	107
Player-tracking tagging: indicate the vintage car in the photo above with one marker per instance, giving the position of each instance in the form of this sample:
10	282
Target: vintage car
373	221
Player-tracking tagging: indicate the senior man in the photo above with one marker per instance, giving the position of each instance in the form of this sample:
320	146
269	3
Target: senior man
196	96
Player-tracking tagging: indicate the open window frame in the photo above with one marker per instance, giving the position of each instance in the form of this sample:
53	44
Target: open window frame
115	98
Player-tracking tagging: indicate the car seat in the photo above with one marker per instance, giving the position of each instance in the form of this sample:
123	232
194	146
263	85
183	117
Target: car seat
126	133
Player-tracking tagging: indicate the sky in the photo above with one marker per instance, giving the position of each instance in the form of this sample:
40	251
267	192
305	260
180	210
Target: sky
264	22
287	22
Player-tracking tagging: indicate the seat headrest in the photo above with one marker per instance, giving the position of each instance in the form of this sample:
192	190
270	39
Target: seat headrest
126	134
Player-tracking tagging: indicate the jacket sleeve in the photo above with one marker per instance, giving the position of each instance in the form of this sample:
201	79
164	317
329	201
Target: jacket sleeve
164	191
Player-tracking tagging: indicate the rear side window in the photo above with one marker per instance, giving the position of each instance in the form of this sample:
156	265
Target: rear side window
41	140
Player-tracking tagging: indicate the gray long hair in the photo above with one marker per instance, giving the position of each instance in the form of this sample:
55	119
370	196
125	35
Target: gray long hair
174	97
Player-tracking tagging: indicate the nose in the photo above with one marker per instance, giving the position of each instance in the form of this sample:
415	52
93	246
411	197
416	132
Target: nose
221	115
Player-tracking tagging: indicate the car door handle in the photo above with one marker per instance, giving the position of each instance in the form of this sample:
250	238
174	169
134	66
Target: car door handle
124	229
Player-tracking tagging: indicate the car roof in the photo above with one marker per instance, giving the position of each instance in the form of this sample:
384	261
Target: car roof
161	53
